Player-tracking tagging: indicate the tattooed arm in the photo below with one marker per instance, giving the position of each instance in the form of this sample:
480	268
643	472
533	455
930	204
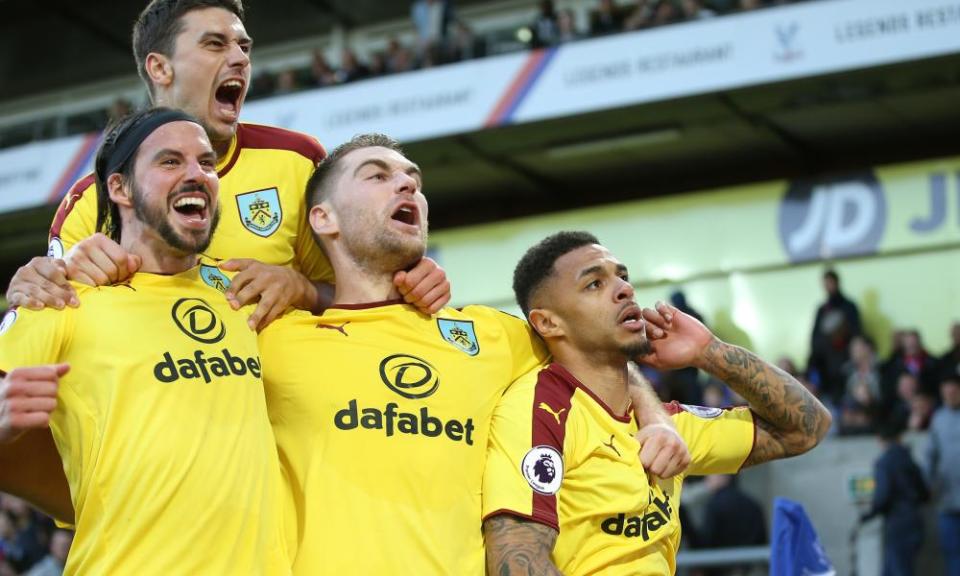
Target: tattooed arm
790	420
518	546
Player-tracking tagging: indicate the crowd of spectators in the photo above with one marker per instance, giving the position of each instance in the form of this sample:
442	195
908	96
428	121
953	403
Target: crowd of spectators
441	37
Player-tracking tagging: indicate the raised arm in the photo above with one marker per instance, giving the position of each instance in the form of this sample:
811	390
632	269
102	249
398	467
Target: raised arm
518	546
790	420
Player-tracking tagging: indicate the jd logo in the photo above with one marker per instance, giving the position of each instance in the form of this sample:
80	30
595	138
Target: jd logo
830	219
409	376
198	320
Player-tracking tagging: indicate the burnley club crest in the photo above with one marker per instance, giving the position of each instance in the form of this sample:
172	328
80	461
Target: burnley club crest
460	333
260	211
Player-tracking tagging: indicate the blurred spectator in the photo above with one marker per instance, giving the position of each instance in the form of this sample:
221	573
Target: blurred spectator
545	28
286	82
666	13
464	44
350	67
836	323
378	64
53	563
899	492
321	73
861	400
606	19
913	358
731	519
786	364
399	58
695	10
431	19
24	542
642	15
921	412
685	383
943	471
567	27
120	108
746	5
949	363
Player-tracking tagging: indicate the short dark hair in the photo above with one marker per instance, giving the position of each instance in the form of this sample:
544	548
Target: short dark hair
318	186
831	274
158	26
537	264
108	214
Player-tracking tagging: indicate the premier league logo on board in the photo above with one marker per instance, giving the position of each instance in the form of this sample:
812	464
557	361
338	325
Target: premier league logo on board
459	333
214	278
260	211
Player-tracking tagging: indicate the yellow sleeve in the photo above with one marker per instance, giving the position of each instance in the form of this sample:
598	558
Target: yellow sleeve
33	337
528	350
517	440
719	440
76	218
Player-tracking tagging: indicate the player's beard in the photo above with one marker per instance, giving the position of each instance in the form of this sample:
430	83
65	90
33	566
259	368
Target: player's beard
636	349
379	249
155	218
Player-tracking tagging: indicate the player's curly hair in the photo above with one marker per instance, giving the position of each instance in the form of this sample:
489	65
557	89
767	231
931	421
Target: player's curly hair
537	264
319	184
158	26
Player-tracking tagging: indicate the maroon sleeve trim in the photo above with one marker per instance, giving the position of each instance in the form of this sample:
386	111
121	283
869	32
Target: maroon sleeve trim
534	518
551	408
69	201
266	137
753	446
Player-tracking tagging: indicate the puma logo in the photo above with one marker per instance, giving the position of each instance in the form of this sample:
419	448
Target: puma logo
341	328
611	446
555	414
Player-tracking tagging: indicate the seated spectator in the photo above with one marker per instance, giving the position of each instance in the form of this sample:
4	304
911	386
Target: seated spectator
53	563
23	541
907	389
667	13
567	27
378	64
350	67
858	409
120	108
606	19
747	5
321	73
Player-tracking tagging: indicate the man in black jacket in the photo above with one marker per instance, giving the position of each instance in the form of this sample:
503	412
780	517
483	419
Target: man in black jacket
899	494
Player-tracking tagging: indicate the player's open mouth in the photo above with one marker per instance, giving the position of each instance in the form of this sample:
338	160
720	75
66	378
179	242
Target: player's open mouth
228	96
407	213
631	318
193	209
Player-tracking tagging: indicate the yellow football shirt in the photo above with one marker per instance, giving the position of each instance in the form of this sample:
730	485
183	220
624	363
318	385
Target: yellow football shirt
162	427
559	456
381	415
263	178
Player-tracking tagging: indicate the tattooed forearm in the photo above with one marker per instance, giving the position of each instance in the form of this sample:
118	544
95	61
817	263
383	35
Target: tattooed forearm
516	546
791	420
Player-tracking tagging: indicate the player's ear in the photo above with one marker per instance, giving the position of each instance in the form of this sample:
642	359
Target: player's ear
159	69
118	190
323	220
546	323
